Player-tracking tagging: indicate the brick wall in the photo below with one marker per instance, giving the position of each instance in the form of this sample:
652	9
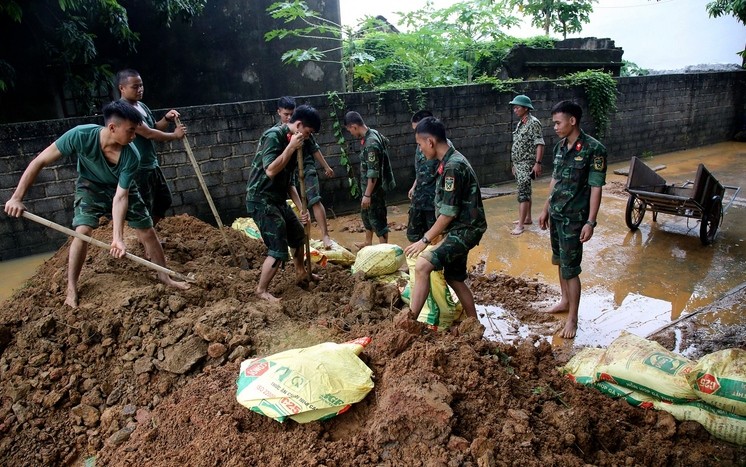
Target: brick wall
655	113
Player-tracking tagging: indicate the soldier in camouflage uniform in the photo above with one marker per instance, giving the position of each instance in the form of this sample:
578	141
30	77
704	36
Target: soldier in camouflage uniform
285	108
459	215
526	154
376	177
268	187
422	193
150	180
572	208
107	164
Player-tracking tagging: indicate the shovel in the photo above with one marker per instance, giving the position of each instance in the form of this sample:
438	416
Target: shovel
40	220
304	208
243	264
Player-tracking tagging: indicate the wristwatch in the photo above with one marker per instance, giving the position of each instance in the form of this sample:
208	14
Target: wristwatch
425	240
591	223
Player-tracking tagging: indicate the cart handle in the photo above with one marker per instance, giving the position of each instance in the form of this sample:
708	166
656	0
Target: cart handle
733	198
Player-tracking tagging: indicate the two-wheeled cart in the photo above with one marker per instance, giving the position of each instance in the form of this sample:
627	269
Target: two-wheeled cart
700	199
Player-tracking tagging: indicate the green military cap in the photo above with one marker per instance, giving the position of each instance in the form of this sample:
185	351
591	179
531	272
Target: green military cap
523	101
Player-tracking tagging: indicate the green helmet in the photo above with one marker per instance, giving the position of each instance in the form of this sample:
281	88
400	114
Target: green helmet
523	101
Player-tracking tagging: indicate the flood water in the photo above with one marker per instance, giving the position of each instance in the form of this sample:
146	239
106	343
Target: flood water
637	281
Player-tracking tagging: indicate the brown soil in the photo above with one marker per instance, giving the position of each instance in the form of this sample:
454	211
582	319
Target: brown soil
113	379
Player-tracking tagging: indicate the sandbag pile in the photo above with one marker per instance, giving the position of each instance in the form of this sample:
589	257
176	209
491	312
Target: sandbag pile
711	391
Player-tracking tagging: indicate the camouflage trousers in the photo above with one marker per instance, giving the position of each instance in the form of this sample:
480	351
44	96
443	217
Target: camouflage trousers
567	250
93	201
154	191
374	218
452	253
419	222
279	226
523	179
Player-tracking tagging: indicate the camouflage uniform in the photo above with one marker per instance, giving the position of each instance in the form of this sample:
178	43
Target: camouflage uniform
371	166
265	197
98	181
313	187
576	170
527	135
150	180
457	194
422	208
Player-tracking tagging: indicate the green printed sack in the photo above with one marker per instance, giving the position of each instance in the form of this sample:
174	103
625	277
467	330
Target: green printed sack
721	424
313	383
719	379
645	366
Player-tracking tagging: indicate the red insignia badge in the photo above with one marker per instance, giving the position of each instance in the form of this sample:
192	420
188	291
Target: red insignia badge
440	169
578	146
290	136
362	142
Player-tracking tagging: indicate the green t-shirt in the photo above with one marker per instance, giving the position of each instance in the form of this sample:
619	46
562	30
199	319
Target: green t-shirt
457	194
146	147
84	141
262	189
576	170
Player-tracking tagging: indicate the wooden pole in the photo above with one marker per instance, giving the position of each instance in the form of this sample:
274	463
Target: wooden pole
202	183
100	244
304	208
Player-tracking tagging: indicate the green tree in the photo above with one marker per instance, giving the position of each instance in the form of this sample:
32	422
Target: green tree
562	16
736	8
65	35
440	47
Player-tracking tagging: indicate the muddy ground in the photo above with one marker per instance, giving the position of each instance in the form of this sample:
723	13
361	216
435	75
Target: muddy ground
144	375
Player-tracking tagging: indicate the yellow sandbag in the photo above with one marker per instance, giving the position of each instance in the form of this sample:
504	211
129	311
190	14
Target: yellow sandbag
377	260
721	424
643	365
313	383
635	398
441	307
719	379
337	254
582	367
247	226
393	278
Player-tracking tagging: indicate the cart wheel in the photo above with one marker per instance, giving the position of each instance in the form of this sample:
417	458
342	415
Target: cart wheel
635	212
711	221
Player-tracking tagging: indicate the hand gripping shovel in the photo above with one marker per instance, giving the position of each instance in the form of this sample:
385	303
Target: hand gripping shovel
243	264
188	278
304	208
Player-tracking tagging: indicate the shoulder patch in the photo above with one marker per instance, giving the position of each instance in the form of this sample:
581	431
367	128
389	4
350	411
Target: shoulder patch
449	184
599	163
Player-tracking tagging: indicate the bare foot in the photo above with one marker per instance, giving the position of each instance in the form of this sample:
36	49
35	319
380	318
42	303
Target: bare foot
361	245
529	222
516	231
571	328
328	243
267	296
72	298
558	308
166	279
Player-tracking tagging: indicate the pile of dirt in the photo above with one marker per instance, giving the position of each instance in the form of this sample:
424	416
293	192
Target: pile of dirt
145	375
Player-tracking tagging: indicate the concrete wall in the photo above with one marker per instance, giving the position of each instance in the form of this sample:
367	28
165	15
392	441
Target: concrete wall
656	113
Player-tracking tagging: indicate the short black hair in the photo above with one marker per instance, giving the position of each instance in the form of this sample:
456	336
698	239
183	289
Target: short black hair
420	114
570	108
433	127
353	118
286	102
308	116
122	110
124	75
